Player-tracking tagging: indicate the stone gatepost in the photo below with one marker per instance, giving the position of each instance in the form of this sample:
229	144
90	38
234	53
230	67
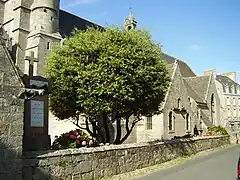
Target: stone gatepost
36	111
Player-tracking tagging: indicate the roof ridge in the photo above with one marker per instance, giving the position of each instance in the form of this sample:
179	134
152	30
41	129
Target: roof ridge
169	86
209	82
85	19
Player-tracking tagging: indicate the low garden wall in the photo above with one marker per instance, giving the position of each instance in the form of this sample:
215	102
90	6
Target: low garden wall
105	161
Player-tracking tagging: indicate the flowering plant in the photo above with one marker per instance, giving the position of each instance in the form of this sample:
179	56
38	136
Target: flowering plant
74	139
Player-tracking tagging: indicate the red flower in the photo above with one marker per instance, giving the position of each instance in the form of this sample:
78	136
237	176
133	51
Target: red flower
75	133
72	137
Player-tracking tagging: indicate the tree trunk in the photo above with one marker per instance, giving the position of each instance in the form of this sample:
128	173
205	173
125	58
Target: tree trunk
128	130
119	131
94	126
96	132
105	122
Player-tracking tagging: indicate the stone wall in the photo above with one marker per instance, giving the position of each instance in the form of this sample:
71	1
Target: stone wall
95	163
11	119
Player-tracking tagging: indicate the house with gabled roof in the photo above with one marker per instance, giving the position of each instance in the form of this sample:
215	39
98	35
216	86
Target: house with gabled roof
229	94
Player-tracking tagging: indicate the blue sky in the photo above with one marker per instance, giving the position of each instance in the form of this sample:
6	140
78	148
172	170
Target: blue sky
204	33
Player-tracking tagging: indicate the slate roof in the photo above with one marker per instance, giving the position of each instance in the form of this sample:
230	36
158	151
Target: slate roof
67	22
205	119
170	68
192	93
199	85
226	81
184	68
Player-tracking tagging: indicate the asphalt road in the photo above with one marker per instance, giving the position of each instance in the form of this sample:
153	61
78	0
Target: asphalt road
220	165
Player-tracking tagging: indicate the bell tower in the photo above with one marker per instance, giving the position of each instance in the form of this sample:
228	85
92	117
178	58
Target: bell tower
130	22
45	16
44	31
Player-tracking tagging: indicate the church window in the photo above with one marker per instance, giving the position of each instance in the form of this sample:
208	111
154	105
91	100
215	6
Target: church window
234	101
149	122
212	108
45	10
179	103
170	121
51	18
48	45
187	122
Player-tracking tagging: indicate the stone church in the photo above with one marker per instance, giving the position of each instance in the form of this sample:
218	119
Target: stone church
32	26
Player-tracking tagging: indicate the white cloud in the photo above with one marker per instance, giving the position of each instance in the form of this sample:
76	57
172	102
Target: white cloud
195	47
72	3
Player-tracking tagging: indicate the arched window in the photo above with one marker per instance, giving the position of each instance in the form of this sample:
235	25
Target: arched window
212	108
48	45
170	121
190	103
179	103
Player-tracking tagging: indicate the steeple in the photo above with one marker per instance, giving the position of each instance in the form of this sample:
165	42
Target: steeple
130	22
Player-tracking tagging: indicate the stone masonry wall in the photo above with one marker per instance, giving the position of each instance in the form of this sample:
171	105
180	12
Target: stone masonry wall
11	119
105	161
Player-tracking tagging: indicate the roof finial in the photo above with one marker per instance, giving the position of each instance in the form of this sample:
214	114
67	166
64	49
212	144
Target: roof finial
130	16
130	22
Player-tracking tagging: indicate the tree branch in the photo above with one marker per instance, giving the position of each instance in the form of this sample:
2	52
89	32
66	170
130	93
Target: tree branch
129	130
87	127
76	123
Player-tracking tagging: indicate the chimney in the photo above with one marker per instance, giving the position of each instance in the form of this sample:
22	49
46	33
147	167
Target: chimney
209	72
231	75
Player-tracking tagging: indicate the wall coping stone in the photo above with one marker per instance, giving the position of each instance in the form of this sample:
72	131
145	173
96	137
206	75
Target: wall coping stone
85	150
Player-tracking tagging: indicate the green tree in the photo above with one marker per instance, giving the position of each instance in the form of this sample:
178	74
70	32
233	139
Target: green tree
114	74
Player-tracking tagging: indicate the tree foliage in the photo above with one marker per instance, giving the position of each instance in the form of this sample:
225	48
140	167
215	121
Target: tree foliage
107	72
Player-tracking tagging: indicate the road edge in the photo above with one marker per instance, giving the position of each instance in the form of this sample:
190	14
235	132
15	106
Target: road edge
151	169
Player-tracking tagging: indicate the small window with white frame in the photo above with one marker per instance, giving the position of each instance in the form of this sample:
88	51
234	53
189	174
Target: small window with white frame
235	113
229	112
149	123
228	101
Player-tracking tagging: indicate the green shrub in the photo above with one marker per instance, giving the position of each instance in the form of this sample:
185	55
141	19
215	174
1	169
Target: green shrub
218	130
